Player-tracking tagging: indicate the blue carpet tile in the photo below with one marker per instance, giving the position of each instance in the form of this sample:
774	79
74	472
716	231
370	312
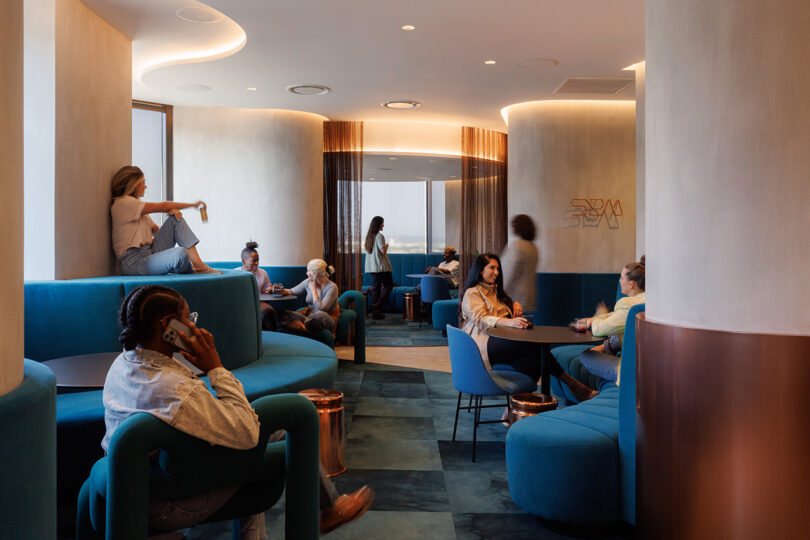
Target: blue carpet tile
399	423
394	331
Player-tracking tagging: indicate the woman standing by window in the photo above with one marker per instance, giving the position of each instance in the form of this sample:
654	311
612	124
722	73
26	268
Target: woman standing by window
379	266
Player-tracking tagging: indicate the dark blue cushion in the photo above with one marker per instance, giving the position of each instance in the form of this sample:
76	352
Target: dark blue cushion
445	312
627	416
563	297
66	318
563	465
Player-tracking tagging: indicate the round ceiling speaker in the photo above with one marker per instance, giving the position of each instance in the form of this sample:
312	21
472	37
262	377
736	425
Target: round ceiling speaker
199	15
194	88
309	89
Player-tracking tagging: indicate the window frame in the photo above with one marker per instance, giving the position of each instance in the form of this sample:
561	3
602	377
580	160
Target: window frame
167	110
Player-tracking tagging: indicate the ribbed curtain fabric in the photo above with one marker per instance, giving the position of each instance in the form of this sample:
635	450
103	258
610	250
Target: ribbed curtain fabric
342	201
483	194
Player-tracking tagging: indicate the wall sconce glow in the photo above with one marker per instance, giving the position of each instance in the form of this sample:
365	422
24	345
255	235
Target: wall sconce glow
634	67
408	27
489	62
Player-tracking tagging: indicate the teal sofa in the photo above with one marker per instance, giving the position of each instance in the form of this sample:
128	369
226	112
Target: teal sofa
71	317
351	325
578	464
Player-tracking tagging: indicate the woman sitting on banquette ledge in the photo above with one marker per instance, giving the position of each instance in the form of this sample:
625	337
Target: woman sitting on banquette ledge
145	378
602	360
486	305
322	310
250	263
143	248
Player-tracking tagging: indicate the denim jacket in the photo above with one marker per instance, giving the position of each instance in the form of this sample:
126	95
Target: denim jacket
143	380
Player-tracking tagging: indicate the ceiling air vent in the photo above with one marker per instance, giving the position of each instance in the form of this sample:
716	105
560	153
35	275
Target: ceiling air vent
593	85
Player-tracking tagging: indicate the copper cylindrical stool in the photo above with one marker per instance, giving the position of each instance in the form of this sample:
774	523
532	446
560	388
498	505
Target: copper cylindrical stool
411	306
523	405
329	404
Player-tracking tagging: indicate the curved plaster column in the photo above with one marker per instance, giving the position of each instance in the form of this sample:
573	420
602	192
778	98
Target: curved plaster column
727	127
260	172
572	169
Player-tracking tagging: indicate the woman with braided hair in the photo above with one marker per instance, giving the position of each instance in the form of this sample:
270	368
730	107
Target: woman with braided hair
141	247
146	378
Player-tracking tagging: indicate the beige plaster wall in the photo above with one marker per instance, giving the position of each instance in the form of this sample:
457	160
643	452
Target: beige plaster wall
11	201
93	136
641	164
728	166
565	150
260	172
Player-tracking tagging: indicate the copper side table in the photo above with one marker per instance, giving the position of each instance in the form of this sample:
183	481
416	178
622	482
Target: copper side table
329	404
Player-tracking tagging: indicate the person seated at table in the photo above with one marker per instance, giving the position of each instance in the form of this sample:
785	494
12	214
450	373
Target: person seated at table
250	263
322	311
141	247
449	268
603	360
486	305
145	378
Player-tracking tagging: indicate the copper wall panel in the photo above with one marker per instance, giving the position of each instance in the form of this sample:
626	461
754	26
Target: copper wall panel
723	434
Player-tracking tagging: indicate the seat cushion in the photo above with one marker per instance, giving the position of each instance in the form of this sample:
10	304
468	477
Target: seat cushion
563	465
445	312
513	382
568	358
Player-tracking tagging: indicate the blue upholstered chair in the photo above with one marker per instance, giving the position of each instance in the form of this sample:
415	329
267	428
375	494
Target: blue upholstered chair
433	288
471	377
113	502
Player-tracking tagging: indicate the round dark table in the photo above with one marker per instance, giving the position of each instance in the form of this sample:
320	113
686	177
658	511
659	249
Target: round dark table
273	297
89	370
545	336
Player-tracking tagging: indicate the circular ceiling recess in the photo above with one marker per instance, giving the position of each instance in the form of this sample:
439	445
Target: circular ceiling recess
538	64
194	88
309	89
199	15
401	104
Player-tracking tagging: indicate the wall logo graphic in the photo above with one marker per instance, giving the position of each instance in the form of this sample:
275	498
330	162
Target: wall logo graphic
589	213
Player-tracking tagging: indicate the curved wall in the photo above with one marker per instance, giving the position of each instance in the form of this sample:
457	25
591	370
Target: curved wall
569	164
727	166
260	172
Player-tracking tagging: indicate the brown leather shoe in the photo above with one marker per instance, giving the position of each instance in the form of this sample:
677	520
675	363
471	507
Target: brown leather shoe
580	391
346	508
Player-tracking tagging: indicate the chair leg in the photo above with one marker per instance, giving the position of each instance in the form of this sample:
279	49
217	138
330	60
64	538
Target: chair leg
476	419
455	424
469	405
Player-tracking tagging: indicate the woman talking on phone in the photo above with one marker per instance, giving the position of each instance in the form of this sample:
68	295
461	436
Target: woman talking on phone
145	378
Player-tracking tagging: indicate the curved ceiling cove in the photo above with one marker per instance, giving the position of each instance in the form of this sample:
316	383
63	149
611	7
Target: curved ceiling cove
167	33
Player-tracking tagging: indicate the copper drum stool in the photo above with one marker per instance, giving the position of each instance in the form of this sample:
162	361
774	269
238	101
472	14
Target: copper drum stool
523	405
411	306
329	404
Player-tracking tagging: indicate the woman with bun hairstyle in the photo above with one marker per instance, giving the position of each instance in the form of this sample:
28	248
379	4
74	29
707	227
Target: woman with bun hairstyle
486	305
322	310
379	266
146	378
250	263
141	247
602	360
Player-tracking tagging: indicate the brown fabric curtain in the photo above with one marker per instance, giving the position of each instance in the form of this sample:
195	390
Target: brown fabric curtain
483	194
342	198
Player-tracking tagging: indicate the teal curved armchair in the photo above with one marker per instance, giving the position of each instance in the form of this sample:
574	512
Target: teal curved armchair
113	502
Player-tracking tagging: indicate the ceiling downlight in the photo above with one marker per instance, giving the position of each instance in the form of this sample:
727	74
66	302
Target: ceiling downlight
401	104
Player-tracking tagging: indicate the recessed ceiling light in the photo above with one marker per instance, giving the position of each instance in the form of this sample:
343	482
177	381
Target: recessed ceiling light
408	27
392	158
199	14
251	89
372	178
194	87
538	64
454	176
401	104
309	89
489	62
383	169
